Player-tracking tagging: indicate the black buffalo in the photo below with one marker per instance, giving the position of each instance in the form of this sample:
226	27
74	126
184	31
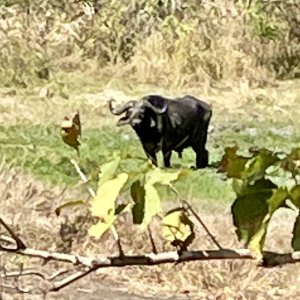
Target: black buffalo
168	125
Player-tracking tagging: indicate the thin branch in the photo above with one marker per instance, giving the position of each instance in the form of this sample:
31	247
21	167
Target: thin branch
189	207
19	243
82	177
21	273
101	261
93	194
20	290
154	249
69	280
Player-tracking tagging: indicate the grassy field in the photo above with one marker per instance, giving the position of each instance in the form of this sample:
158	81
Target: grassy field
60	56
36	167
30	139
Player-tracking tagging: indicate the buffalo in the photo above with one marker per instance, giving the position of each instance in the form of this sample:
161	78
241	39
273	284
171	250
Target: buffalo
164	124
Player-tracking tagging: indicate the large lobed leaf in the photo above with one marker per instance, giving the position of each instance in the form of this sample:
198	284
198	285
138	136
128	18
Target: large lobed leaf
253	209
147	202
249	168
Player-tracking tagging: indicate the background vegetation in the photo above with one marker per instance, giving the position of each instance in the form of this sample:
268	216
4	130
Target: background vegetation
60	55
166	42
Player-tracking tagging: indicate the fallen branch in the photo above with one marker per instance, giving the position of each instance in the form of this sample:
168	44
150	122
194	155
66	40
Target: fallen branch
90	264
101	261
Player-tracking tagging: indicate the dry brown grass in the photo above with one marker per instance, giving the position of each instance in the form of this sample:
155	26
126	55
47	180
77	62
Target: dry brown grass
28	206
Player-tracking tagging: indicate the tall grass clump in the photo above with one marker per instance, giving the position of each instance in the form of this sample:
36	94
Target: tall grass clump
170	42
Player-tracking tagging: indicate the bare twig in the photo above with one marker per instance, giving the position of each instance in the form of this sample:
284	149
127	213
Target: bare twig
154	249
189	207
82	177
93	194
72	278
19	243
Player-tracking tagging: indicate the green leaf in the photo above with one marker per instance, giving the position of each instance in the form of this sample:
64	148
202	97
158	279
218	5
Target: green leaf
259	164
138	196
69	204
232	163
296	234
108	170
178	228
252	212
295	195
161	176
152	203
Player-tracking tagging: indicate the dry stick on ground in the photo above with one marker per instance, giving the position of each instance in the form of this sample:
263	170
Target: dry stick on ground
93	194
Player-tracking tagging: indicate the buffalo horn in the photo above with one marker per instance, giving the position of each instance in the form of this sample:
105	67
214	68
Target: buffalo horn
120	110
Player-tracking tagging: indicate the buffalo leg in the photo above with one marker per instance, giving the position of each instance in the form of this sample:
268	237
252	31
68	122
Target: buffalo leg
201	153
152	157
202	159
167	158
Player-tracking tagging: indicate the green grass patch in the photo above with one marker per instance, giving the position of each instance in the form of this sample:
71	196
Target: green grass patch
40	151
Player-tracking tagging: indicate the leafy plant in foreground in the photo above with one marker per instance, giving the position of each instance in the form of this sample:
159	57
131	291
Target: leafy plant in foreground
263	182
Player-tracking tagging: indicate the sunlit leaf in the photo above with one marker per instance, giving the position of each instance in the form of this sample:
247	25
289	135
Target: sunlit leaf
138	196
69	204
178	228
103	204
71	131
100	228
232	163
152	203
161	176
296	234
108	170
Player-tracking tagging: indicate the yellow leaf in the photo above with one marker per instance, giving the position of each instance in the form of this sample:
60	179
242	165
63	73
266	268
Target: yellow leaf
103	205
70	131
99	229
177	228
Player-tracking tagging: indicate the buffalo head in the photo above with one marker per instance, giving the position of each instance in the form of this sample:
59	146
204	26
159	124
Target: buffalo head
136	111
